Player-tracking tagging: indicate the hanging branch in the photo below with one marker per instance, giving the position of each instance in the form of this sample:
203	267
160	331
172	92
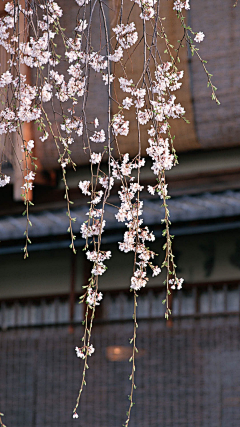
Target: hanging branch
59	104
1	421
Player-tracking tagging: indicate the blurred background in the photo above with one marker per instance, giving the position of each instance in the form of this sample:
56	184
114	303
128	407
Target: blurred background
188	369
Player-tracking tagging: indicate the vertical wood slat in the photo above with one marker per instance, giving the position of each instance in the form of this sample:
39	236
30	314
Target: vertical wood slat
120	306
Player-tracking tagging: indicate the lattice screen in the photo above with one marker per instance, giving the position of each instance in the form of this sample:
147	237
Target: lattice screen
187	375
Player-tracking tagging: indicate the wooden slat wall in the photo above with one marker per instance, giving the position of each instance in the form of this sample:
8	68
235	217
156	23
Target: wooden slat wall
217	126
186	376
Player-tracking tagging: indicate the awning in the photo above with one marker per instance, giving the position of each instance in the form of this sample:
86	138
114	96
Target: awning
182	209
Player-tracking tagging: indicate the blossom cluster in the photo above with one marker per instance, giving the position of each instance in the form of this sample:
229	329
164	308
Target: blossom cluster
28	105
147	7
131	210
176	283
94	227
24	108
4	181
93	298
179	5
28	147
98	258
28	184
82	352
126	35
163	108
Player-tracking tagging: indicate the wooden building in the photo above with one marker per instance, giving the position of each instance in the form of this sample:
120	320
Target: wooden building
188	370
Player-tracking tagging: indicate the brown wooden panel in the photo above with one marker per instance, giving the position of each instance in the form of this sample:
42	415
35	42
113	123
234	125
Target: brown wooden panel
217	126
185	133
97	100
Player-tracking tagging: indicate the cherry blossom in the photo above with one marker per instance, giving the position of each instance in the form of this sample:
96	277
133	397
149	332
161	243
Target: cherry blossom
127	103
107	78
80	354
81	2
90	350
93	298
179	5
75	415
106	182
120	126
125	84
98	136
117	55
82	25
4	181
126	35
84	187
29	147
30	176
176	283
199	37
95	158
